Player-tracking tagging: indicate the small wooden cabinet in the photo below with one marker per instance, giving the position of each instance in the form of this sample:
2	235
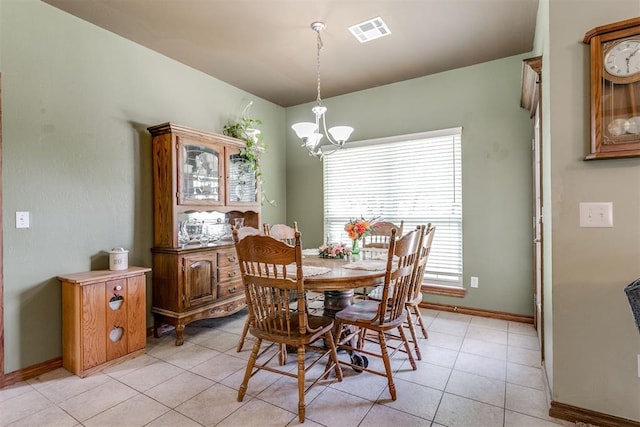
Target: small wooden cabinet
195	173
103	318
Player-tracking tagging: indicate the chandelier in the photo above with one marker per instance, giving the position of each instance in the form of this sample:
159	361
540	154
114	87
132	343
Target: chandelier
310	132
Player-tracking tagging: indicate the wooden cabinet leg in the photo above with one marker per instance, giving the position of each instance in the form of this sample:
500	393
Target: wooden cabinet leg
180	334
156	326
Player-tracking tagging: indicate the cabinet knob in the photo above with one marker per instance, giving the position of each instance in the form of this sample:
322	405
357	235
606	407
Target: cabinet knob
232	258
117	288
232	290
232	273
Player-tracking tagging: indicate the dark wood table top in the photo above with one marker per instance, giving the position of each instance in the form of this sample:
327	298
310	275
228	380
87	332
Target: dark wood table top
340	278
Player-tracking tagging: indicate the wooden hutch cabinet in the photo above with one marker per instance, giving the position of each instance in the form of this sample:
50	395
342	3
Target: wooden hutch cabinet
200	185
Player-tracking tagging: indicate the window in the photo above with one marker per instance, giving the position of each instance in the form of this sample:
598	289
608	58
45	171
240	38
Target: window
416	178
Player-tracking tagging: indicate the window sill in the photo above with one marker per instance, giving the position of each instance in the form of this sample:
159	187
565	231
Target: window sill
449	291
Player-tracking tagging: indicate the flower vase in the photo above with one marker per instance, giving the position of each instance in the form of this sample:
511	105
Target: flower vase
355	249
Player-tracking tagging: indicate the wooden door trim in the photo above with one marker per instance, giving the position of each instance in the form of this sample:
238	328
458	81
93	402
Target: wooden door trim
2	374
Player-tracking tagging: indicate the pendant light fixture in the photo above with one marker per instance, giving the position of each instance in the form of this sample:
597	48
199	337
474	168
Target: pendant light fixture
310	132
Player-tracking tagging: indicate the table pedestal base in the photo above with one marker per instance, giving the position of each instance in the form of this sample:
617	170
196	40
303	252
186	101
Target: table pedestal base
334	301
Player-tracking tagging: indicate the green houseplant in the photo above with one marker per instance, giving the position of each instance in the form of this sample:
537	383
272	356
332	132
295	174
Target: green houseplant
245	130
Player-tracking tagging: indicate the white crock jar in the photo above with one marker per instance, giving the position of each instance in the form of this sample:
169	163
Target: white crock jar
118	259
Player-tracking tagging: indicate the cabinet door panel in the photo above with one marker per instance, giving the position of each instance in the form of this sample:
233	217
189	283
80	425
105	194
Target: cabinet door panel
116	329
94	350
136	313
199	279
200	172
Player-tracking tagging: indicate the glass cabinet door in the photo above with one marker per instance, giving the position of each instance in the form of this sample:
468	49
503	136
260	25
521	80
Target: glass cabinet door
199	174
242	186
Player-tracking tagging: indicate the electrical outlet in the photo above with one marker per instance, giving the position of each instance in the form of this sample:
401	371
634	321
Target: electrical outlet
474	282
22	219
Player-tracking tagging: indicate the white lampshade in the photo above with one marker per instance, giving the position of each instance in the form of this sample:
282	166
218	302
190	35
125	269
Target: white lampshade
341	133
313	140
305	130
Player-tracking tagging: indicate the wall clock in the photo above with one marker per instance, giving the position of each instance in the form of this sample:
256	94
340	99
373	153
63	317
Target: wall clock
615	90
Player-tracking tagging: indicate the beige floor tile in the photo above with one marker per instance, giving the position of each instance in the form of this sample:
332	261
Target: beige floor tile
189	355
523	356
212	405
527	400
385	416
257	412
179	389
151	375
482	348
449	326
284	394
524	341
216	339
522	328
427	374
92	402
14	390
448	341
60	384
487	322
437	355
413	399
514	419
22	406
329	409
525	375
487	335
476	387
219	367
173	419
49	416
128	366
454	316
364	385
134	412
257	383
456	411
481	365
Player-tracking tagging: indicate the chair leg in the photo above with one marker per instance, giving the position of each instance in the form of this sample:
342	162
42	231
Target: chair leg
403	336
333	356
244	335
414	336
247	373
301	372
387	364
283	354
416	310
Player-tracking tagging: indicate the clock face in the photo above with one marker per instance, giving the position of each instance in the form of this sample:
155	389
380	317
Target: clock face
623	58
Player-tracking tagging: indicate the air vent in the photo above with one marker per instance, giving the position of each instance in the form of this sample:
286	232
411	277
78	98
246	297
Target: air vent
370	30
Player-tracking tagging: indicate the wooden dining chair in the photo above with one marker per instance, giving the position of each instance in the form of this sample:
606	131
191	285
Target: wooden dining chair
270	269
380	234
282	232
414	297
385	315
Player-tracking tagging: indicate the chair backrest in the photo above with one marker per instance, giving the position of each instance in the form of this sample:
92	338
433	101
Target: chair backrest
247	231
380	234
421	261
282	232
401	258
270	269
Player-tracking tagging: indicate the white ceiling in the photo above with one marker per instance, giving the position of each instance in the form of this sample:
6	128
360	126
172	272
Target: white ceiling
267	47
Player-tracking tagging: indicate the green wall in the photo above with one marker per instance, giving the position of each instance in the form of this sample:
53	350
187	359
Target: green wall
496	168
595	340
76	102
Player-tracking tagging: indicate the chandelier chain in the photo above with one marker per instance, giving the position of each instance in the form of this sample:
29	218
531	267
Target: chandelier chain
319	44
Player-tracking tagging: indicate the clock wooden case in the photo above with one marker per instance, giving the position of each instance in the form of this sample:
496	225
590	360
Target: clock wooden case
615	90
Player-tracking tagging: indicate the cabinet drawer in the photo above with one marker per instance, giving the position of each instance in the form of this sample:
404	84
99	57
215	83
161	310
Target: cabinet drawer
230	289
229	274
227	258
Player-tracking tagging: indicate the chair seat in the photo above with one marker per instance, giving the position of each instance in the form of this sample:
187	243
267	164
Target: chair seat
364	314
293	337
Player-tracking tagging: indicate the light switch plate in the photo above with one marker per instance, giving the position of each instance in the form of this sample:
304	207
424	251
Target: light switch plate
596	214
22	219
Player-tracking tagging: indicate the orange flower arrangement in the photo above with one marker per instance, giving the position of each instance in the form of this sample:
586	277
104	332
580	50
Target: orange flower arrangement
358	228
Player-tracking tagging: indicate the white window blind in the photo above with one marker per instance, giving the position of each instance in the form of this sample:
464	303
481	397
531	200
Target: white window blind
416	178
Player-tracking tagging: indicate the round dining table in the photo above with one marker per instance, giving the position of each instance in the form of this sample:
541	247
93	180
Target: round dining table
339	282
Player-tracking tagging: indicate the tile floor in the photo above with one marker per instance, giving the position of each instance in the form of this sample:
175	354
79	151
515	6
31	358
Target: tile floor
475	372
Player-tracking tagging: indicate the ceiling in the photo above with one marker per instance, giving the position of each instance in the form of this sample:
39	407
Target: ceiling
268	49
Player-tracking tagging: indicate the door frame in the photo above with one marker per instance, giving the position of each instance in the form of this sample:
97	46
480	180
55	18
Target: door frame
531	96
2	374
